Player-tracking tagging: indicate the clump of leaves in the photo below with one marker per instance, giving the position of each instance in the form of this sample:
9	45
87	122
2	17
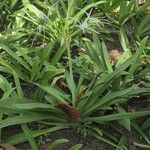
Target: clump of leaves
92	93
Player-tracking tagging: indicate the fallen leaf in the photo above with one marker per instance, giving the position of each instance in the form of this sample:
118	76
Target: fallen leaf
114	56
148	8
7	147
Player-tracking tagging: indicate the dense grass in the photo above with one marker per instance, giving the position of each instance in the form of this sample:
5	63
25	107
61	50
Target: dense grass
58	69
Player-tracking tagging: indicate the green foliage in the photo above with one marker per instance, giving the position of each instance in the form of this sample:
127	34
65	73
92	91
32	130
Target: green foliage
61	141
79	88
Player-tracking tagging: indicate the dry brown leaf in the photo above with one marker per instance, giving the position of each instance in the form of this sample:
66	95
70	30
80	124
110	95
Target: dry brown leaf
148	8
7	147
71	111
82	92
114	56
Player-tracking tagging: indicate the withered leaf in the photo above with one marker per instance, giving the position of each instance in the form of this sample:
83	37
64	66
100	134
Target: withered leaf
7	147
71	111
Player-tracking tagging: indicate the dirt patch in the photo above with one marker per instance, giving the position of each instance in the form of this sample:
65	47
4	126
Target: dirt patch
89	143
